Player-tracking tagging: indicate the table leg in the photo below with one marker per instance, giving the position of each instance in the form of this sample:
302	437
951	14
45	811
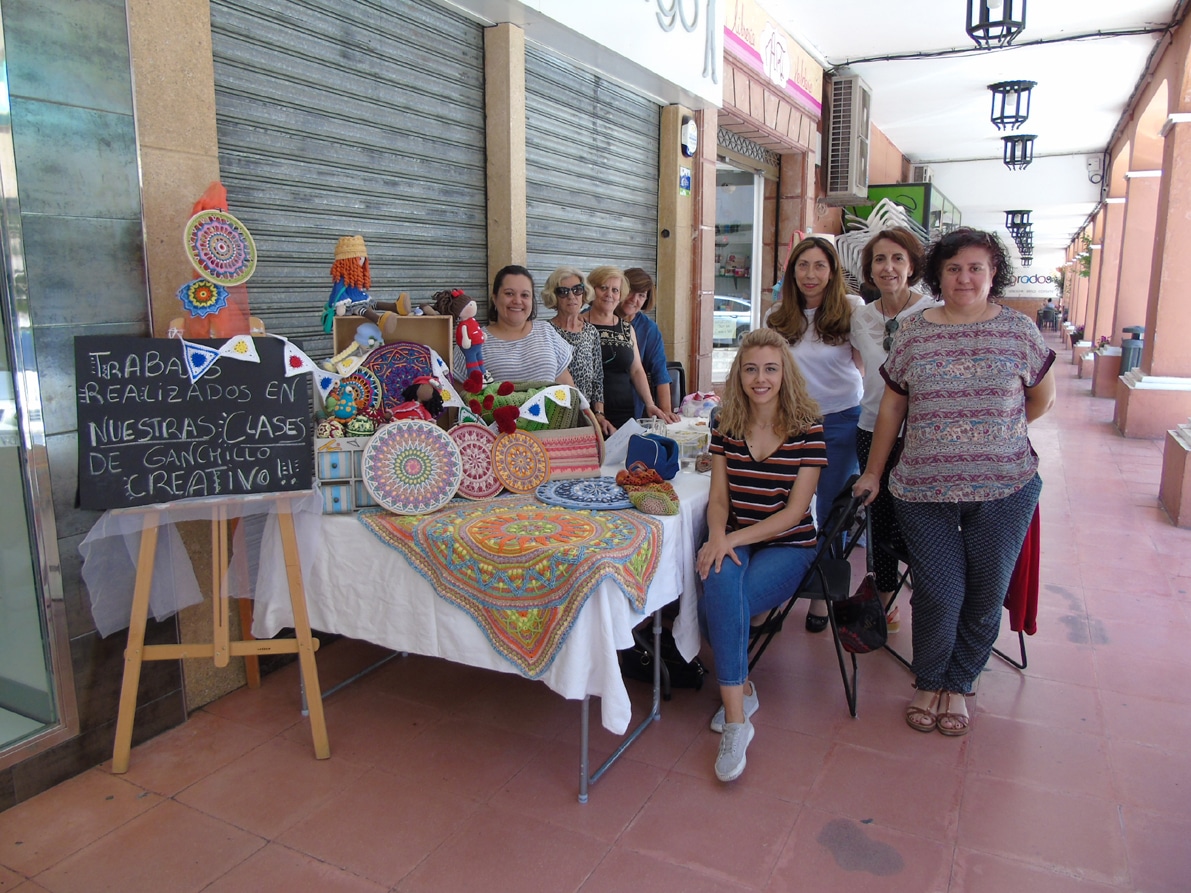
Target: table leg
655	715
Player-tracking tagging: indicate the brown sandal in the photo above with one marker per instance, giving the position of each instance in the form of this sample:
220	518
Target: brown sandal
924	719
949	722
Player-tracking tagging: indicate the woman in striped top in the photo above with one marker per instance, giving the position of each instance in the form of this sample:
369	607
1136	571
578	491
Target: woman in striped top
767	449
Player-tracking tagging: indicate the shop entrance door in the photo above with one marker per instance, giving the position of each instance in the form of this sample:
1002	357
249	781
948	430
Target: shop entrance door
735	311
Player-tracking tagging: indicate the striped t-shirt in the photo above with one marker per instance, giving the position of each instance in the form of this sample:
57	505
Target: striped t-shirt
757	489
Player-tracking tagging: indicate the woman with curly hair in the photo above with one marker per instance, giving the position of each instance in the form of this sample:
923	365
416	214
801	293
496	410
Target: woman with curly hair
965	378
766	454
815	317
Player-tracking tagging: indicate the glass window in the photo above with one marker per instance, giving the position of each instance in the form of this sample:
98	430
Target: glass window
737	243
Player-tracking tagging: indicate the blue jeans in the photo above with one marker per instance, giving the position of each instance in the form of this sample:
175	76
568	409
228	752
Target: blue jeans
839	433
766	577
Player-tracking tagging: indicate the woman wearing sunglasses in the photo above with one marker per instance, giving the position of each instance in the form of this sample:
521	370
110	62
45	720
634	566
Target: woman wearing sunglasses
566	293
891	262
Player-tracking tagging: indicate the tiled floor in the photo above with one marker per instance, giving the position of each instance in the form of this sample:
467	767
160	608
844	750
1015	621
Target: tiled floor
1076	776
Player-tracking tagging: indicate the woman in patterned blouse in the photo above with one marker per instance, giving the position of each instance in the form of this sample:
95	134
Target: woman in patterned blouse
767	450
566	293
965	378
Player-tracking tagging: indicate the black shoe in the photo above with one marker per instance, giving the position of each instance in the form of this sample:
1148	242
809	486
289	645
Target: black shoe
815	623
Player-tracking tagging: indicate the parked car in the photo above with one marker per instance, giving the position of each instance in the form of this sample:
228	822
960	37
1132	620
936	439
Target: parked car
732	318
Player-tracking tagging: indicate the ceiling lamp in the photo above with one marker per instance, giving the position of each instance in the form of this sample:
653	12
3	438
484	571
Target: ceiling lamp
1011	103
992	23
1019	151
1015	220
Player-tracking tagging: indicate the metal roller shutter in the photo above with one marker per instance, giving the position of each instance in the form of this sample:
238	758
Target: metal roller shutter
340	118
591	168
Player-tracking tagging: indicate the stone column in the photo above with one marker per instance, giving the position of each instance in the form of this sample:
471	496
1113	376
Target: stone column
504	109
1110	263
678	193
1137	250
703	169
1157	395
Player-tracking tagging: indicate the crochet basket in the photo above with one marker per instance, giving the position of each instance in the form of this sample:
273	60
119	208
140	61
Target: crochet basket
576	452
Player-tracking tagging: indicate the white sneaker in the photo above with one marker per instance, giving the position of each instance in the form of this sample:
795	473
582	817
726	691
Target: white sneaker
729	764
750	707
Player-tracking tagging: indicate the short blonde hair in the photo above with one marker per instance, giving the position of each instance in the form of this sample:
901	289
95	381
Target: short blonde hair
601	275
550	299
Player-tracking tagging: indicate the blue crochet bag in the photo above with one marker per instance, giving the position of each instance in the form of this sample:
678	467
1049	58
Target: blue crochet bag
653	451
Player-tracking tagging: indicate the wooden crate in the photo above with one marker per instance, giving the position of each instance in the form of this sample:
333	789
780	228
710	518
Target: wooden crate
436	332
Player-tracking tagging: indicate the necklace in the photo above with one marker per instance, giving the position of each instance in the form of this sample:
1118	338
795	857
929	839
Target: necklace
905	304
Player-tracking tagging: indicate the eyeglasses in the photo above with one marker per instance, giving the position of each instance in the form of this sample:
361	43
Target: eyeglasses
561	291
891	326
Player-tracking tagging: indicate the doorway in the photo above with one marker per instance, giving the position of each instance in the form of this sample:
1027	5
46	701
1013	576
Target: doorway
738	226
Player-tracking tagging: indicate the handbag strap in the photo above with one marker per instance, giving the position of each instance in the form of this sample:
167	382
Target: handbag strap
869	546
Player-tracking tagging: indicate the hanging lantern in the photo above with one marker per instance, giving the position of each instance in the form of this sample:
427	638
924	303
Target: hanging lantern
1019	151
993	23
1011	103
1016	220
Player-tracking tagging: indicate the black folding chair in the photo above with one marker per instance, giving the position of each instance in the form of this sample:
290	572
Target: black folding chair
829	578
897	552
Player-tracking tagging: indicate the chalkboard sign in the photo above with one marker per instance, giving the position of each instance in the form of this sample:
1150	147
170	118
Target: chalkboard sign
147	434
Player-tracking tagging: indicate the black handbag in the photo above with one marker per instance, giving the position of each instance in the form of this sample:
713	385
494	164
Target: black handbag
677	672
861	616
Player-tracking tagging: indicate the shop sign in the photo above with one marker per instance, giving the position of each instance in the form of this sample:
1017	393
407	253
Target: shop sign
680	41
1032	283
751	36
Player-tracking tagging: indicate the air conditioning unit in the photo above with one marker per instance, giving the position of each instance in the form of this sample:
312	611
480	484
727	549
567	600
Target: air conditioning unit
921	173
847	147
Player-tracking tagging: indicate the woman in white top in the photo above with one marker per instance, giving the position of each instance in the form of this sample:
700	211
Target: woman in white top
516	348
815	317
891	262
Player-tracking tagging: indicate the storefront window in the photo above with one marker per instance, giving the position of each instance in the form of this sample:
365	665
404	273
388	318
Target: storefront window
737	246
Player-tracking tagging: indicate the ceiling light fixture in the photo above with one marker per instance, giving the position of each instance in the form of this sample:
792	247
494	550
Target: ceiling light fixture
1010	103
992	23
1019	151
1015	220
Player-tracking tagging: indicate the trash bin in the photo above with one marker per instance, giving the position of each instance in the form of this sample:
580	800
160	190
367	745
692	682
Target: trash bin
1131	347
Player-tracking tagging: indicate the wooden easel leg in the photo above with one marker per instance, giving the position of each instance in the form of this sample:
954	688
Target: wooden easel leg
133	652
219	564
252	663
297	596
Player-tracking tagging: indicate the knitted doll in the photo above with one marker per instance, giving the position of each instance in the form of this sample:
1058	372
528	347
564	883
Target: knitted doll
422	400
351	278
468	334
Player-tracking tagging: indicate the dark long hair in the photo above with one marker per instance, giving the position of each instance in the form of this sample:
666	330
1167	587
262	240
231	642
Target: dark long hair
833	317
498	280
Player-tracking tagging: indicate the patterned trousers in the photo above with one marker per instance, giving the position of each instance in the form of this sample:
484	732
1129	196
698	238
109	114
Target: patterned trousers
962	555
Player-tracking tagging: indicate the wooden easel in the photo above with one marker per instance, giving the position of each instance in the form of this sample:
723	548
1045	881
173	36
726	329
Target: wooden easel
220	649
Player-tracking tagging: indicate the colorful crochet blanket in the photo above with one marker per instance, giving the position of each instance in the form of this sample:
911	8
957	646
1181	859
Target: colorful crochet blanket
523	570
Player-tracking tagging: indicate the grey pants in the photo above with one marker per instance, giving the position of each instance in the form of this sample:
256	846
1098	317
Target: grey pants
962	555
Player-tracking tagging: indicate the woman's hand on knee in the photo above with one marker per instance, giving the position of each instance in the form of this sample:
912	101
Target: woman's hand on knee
712	556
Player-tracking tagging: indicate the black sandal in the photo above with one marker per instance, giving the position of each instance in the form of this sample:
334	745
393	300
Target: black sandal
815	623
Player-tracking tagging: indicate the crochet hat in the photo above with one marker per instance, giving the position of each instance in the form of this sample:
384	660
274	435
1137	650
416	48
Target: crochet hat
350	246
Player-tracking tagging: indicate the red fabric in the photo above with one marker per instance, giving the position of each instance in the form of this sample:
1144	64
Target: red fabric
1022	597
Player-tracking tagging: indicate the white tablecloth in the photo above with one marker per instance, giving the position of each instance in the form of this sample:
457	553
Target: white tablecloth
359	587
